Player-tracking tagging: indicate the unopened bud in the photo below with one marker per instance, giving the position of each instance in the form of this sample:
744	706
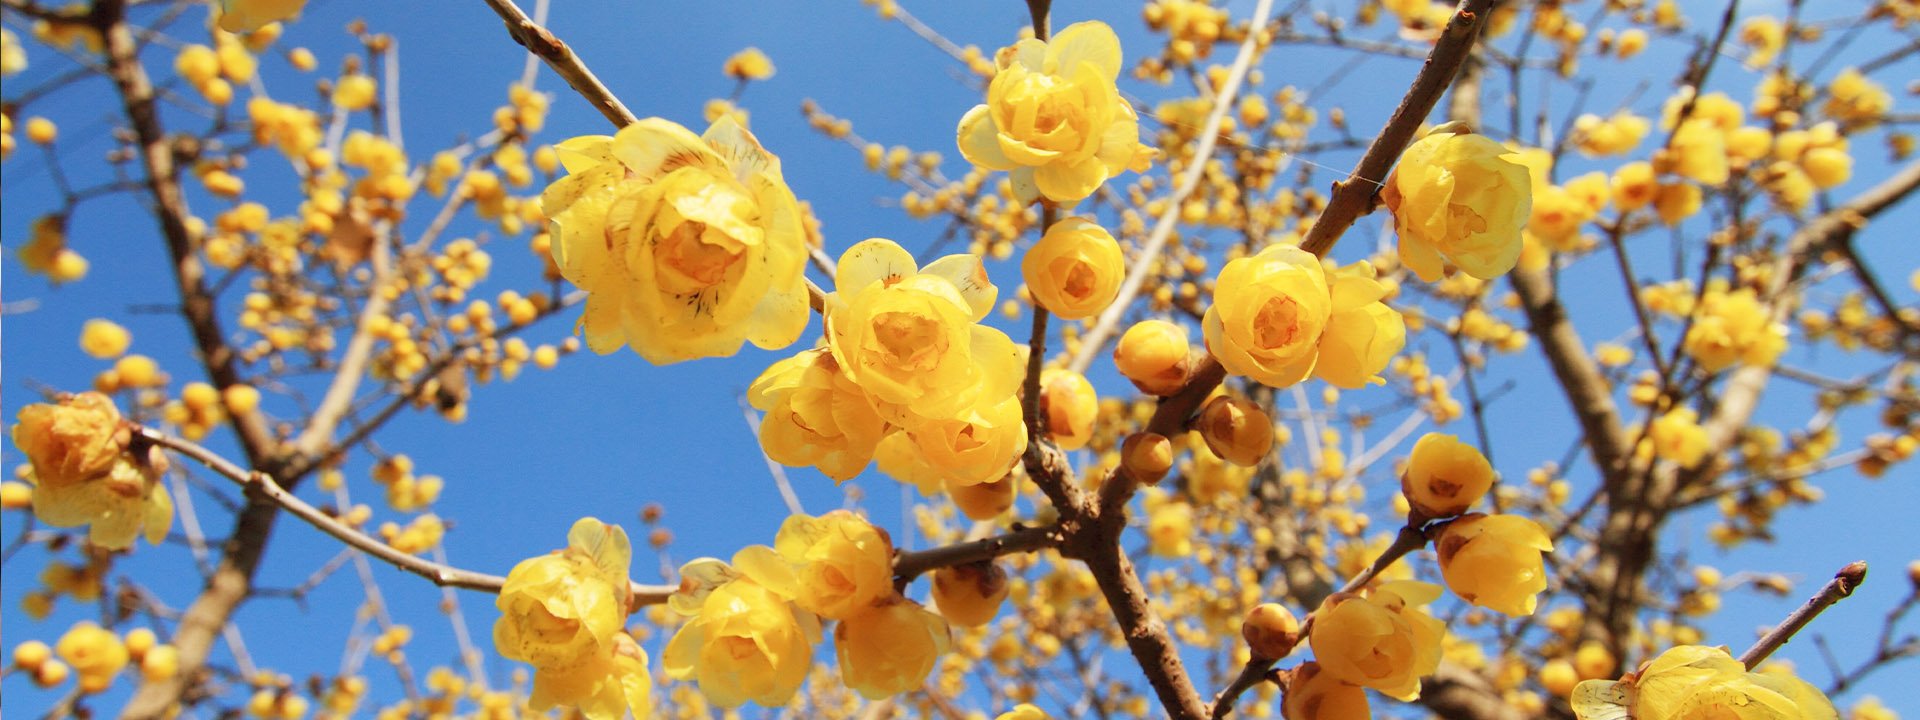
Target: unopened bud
1147	457
1271	631
1236	430
1154	354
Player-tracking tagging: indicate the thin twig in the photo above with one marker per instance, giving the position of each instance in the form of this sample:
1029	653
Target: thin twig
1842	585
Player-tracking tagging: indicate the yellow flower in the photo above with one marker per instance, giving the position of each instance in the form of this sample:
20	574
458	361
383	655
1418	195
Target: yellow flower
1557	216
1458	200
1694	682
1677	436
1732	327
891	649
844	564
127	501
744	640
46	252
1597	137
1154	355
1169	528
93	652
1268	313
1676	201
1236	430
1054	117
72	442
249	15
1633	186
1445	476
687	245
911	338
985	501
1380	639
1766	36
1854	99
1024	711
1312	694
104	339
970	594
816	416
1071	405
1494	561
978	445
749	64
1075	270
1363	334
565	613
1699	151
355	92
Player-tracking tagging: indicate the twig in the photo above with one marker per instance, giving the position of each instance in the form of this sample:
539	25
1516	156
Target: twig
537	40
910	565
1842	585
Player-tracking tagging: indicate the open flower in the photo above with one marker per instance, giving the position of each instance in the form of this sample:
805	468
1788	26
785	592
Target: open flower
1494	561
688	245
1268	313
565	614
1695	682
1054	117
1075	270
1381	639
844	565
744	642
977	446
1458	199
1315	695
1363	334
70	442
816	416
891	649
910	337
1734	327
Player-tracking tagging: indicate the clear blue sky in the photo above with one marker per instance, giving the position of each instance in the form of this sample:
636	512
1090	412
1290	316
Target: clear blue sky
604	436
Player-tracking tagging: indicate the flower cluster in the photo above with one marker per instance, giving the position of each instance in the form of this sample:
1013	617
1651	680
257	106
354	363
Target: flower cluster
565	614
1733	327
752	624
1280	316
82	473
688	245
908	376
1055	119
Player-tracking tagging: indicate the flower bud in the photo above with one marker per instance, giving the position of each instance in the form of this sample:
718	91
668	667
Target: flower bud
1494	561
1070	404
984	501
1236	430
970	594
1271	631
1154	355
1444	477
1146	456
31	654
1315	695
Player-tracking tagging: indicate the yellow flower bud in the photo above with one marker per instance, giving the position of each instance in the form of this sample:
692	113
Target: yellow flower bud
1313	694
1075	270
1236	430
844	564
1268	314
1146	456
1380	639
30	654
51	673
1444	476
891	649
161	662
749	64
1071	405
104	339
1458	200
984	501
970	594
1270	630
15	495
1494	561
1154	354
41	130
1024	711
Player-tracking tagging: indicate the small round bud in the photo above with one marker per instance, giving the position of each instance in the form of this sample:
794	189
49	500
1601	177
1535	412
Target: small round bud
970	594
1444	477
1071	405
1271	631
1154	354
1593	661
51	673
160	663
31	654
984	501
1236	430
1146	456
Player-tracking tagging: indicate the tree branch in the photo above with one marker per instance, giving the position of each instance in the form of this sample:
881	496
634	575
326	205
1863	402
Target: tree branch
1843	584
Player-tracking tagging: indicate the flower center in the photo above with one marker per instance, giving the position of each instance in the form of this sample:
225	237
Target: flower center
1277	323
908	339
693	258
1079	281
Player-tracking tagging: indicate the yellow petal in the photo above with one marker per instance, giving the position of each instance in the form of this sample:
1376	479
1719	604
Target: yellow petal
1089	42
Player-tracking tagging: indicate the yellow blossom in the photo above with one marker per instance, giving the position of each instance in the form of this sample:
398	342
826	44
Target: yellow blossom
891	649
911	339
93	652
1694	682
1154	355
844	565
749	64
1268	313
1854	99
1676	201
13	60
72	442
1024	711
103	339
1363	334
1313	694
1170	529
1380	639
1075	270
1054	117
1444	476
1699	151
1071	405
1732	327
744	640
977	445
687	245
564	613
248	15
46	252
1766	36
354	92
1633	186
1494	561
1677	436
1600	137
1460	200
970	594
816	416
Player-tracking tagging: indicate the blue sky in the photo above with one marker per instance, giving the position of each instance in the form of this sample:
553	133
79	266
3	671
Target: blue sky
603	436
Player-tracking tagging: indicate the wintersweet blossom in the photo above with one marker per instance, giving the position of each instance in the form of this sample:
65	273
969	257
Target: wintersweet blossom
1444	476
1495	561
1694	682
1075	270
565	614
891	649
1313	694
688	245
1380	638
1458	200
249	15
843	565
816	416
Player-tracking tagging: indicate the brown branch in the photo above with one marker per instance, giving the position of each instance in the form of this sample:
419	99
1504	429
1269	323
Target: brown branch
537	40
1843	584
1358	194
263	485
910	565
